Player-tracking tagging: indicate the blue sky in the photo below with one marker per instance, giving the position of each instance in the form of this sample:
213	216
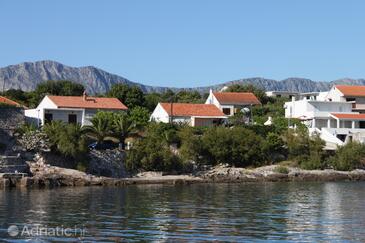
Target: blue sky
190	42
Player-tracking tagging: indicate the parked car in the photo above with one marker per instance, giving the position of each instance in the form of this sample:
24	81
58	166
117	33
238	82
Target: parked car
103	146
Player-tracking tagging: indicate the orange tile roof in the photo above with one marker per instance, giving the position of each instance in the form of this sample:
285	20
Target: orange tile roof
349	116
90	102
186	109
238	98
348	90
8	101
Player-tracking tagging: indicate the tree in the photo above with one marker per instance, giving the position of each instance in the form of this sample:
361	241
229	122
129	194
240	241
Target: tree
188	97
124	127
140	116
131	96
101	127
51	87
237	146
72	141
349	157
53	130
68	139
151	100
258	92
17	95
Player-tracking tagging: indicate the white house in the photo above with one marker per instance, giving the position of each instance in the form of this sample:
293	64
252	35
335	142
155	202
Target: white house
346	93
231	102
193	114
71	109
280	94
335	116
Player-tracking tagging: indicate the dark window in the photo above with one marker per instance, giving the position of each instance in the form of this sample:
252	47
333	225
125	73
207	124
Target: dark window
342	137
72	118
227	111
362	124
48	117
308	97
350	99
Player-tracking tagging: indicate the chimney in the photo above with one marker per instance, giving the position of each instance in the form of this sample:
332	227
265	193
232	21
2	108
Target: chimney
84	96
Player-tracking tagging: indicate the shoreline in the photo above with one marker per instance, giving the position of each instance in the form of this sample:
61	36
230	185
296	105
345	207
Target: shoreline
61	177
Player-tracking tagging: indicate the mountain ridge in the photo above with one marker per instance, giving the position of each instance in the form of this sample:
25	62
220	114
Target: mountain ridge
27	75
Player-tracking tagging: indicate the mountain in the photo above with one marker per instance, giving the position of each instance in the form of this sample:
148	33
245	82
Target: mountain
27	75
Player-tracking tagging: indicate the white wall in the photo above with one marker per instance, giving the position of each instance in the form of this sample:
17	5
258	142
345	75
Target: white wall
315	108
334	95
33	116
62	115
159	114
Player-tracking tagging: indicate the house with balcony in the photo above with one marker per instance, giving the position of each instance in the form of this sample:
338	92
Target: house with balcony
346	93
335	117
195	115
71	109
231	103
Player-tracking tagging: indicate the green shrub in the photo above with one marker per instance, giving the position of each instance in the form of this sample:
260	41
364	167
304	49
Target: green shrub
67	139
152	154
348	157
281	169
237	146
26	128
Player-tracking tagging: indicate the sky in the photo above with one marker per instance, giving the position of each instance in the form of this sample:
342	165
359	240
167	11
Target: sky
190	42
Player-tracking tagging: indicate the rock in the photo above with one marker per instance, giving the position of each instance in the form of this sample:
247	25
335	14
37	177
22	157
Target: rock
109	163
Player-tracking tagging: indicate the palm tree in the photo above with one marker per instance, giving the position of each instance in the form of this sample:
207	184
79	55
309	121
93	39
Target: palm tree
124	127
100	128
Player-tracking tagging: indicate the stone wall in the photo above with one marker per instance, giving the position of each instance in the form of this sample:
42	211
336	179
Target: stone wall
10	119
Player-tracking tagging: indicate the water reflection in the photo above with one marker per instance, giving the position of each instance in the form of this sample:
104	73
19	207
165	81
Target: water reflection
306	212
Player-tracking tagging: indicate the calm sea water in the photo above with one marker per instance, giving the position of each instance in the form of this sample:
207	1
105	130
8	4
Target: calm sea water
304	212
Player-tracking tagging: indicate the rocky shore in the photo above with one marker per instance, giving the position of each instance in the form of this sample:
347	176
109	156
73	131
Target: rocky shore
45	176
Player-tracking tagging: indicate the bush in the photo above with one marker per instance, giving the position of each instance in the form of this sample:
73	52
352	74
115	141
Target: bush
152	154
26	128
153	151
348	157
67	139
281	169
237	146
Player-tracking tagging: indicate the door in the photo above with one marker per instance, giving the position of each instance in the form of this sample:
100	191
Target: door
72	118
48	117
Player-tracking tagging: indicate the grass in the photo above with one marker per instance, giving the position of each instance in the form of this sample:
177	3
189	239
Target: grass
281	169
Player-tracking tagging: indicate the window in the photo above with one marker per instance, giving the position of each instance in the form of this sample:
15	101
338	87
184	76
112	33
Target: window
278	95
48	117
362	124
350	99
227	111
72	118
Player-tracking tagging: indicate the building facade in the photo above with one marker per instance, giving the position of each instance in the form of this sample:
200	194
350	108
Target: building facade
195	115
71	109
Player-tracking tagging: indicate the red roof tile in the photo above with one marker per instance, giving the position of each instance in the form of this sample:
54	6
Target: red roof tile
90	102
348	90
238	98
185	109
8	101
349	116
